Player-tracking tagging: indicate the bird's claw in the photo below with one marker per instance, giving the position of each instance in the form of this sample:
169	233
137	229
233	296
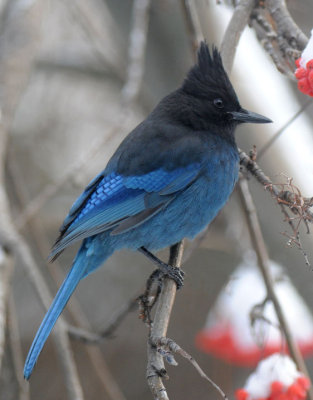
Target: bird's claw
176	274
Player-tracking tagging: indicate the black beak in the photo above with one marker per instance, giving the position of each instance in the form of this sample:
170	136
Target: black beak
249	116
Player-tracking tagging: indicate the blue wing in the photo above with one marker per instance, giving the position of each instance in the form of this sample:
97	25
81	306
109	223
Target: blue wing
121	202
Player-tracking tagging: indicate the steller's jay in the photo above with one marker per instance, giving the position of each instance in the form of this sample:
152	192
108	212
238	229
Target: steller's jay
166	181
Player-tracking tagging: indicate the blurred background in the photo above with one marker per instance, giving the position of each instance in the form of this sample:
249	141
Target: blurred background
64	66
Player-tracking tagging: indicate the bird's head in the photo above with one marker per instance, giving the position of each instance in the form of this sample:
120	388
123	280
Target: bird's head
212	95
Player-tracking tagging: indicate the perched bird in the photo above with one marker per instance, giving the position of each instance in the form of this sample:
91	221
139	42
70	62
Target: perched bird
166	181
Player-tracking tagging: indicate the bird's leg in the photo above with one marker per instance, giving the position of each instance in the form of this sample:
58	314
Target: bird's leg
172	272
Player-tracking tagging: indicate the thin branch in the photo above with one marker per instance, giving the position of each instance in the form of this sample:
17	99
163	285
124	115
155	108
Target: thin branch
266	34
290	198
166	347
90	337
280	36
273	139
130	92
136	50
254	226
263	262
286	27
234	30
18	246
8	235
6	266
16	350
50	190
193	25
96	358
155	367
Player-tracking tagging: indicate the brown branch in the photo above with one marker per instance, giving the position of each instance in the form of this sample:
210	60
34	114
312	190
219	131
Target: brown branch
166	347
155	366
280	131
255	229
90	337
15	343
136	50
234	30
269	39
130	92
15	73
293	198
50	190
263	262
100	368
6	267
280	36
193	25
286	27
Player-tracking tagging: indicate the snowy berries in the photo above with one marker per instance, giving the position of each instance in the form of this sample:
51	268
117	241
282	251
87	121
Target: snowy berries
304	71
276	378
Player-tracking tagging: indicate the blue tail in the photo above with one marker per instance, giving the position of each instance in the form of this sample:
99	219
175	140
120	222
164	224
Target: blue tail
76	273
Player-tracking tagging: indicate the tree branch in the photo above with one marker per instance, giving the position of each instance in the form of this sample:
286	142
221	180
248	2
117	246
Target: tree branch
263	263
255	230
15	73
136	50
155	368
286	27
234	30
6	266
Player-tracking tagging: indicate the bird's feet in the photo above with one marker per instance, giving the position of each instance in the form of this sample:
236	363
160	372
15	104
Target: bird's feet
174	273
168	270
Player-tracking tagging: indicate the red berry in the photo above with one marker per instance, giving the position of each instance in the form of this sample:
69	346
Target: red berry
295	390
276	387
309	65
304	382
297	62
280	396
310	78
300	73
241	394
304	86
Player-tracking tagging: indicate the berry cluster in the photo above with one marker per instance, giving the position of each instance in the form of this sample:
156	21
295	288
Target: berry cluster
305	77
278	391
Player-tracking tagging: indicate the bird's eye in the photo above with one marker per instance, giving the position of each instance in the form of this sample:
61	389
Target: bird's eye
218	103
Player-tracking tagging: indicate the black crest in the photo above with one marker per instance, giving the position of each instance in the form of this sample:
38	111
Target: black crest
208	75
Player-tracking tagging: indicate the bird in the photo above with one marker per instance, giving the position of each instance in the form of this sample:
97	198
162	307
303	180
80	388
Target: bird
166	181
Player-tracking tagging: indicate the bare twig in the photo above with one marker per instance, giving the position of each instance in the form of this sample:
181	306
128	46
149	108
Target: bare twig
16	350
234	30
263	262
18	246
96	358
280	131
166	347
286	27
129	92
136	50
16	73
281	38
193	25
155	367
97	26
51	189
254	226
268	38
89	337
292	198
6	265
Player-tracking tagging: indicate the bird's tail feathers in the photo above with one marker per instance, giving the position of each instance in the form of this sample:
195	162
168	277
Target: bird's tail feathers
76	273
